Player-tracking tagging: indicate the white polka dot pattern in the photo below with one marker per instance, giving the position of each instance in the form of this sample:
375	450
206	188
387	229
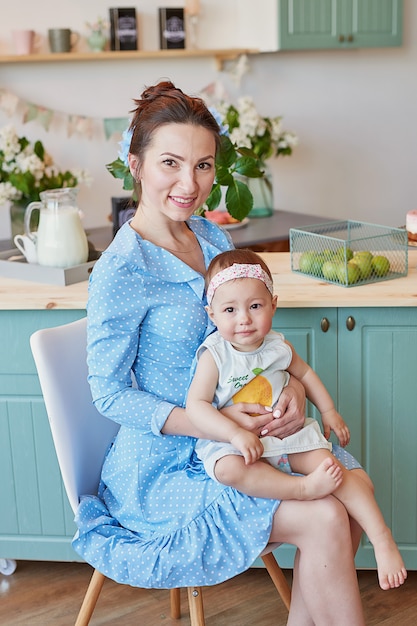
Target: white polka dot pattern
158	520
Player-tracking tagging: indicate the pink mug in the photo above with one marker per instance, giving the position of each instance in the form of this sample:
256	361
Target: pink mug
24	41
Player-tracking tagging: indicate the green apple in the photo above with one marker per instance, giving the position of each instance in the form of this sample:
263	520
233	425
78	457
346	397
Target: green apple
332	269
310	263
340	253
327	255
349	272
380	265
363	260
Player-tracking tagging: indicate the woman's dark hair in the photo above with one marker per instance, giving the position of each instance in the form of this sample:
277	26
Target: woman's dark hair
166	104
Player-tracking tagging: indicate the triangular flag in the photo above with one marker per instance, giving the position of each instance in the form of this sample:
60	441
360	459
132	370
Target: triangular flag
45	117
115	126
8	102
30	113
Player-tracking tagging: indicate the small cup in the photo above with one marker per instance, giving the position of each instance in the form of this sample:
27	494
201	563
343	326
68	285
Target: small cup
24	41
62	39
27	247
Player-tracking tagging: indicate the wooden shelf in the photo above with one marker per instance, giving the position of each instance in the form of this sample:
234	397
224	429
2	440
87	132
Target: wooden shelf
220	56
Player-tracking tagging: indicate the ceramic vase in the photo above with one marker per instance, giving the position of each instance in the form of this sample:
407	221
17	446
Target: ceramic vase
263	196
96	41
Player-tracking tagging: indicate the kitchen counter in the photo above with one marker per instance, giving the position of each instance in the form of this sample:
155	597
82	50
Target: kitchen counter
362	342
294	290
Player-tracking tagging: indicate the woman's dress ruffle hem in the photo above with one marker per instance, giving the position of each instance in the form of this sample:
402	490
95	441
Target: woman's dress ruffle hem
207	551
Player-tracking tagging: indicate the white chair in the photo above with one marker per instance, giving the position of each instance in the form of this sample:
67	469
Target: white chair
81	436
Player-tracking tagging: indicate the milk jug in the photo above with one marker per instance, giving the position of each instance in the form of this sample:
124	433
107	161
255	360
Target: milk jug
60	240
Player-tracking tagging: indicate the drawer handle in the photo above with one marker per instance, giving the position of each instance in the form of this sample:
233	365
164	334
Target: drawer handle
350	38
350	323
341	38
325	324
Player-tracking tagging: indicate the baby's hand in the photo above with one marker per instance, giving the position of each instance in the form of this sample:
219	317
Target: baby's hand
333	421
248	444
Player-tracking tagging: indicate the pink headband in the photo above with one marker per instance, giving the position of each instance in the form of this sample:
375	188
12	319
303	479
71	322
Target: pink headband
238	270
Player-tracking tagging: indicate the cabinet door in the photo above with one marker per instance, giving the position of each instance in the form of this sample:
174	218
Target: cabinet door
320	24
36	519
313	333
377	365
376	23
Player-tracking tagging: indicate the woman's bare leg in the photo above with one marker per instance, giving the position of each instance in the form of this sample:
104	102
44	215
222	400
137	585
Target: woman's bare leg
325	587
299	611
358	497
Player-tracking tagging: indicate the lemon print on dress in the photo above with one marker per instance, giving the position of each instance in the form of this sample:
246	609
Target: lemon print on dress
259	389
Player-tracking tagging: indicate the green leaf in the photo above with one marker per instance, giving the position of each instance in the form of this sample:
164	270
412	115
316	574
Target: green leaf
117	168
226	155
232	118
214	198
239	200
224	176
247	166
128	182
39	150
247	152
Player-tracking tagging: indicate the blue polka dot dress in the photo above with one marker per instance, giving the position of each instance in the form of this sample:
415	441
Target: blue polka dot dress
158	520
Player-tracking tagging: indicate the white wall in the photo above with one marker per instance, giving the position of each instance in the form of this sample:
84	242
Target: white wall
354	111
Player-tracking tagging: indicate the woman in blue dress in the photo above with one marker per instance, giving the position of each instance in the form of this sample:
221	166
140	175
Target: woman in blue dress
157	521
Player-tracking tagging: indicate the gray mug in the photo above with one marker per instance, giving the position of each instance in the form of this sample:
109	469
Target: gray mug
62	39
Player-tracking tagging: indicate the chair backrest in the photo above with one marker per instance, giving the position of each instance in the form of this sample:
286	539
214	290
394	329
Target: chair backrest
80	433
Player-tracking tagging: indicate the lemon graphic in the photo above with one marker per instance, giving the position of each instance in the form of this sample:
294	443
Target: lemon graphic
259	389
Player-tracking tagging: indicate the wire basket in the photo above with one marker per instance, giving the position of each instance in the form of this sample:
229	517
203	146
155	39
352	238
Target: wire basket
349	253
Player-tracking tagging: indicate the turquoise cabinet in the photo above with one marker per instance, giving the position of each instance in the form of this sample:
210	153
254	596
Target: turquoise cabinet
310	24
377	394
36	520
367	357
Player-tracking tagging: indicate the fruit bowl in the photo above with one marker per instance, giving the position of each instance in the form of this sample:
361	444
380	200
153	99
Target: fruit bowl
349	253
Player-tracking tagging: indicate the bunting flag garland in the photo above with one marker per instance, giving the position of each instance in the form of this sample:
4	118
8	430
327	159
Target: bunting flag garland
88	127
75	125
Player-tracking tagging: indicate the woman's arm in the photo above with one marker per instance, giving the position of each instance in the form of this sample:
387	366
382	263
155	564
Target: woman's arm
178	423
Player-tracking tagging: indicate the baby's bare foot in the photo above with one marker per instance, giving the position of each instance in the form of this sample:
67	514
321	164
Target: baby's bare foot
325	479
391	570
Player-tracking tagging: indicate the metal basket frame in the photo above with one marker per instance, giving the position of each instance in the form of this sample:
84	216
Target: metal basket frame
335	239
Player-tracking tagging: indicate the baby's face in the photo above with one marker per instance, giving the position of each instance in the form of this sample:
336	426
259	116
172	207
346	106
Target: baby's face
242	309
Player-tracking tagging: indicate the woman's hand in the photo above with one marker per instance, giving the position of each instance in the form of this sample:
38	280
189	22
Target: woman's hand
286	418
289	411
249	415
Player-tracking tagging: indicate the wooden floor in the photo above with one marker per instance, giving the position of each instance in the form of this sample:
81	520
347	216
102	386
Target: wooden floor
43	594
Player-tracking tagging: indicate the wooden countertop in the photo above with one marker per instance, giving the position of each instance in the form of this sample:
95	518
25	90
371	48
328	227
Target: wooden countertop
294	290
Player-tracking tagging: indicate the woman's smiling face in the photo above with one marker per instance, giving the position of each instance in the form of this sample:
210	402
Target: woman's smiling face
178	171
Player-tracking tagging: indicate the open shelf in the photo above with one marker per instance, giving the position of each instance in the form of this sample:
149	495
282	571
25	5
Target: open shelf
220	56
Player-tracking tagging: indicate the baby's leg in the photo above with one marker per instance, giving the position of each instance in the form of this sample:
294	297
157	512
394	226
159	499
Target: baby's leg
357	496
264	481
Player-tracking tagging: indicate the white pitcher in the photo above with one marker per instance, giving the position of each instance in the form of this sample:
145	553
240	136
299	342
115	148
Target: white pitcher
61	240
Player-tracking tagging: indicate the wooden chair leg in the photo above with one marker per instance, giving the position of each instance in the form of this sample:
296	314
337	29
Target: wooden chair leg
195	603
90	599
175	599
278	578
